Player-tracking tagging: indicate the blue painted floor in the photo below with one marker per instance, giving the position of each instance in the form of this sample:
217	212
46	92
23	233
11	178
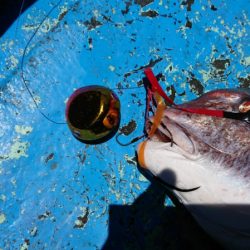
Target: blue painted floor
57	193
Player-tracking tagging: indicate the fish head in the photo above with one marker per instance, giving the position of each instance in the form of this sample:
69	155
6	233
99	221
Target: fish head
191	150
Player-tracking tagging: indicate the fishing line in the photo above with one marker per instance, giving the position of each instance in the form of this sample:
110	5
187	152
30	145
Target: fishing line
18	20
22	63
25	81
128	88
172	187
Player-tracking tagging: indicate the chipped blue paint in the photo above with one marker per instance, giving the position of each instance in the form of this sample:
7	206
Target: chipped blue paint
54	191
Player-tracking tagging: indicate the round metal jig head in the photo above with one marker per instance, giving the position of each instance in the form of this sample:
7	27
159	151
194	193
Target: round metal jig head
93	114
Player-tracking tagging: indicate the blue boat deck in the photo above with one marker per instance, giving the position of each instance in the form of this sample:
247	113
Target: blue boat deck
58	193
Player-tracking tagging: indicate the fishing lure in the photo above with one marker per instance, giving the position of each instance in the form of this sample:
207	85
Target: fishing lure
93	114
243	114
156	95
157	101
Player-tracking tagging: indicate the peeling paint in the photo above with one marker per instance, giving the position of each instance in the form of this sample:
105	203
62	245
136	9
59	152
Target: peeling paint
143	3
18	149
25	245
244	82
3	197
92	23
23	130
12	62
82	219
34	231
2	218
111	68
129	128
247	61
196	86
48	24
150	13
130	159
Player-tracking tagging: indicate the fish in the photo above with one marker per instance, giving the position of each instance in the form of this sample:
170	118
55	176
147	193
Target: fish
206	161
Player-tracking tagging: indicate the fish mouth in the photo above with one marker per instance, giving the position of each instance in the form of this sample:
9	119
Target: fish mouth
174	136
165	150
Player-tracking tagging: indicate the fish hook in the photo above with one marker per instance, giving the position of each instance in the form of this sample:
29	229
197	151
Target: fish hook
128	143
172	187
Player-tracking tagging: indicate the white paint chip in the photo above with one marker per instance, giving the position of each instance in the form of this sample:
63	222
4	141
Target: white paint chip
24	246
23	130
2	218
3	197
247	60
18	149
111	68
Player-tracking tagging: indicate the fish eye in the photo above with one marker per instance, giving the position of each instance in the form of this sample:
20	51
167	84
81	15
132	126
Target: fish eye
244	107
93	114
